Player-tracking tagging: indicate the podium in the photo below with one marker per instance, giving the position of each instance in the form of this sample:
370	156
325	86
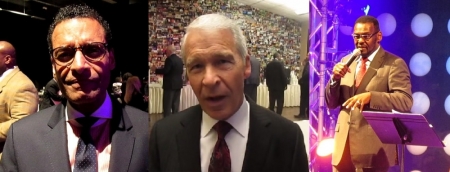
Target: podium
403	129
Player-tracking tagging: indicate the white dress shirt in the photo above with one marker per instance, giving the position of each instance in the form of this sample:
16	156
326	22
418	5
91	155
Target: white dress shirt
99	133
236	139
7	71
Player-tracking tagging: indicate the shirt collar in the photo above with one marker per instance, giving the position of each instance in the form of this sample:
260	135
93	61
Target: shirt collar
238	120
7	71
104	111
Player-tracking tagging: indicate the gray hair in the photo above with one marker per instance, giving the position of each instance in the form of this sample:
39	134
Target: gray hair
218	21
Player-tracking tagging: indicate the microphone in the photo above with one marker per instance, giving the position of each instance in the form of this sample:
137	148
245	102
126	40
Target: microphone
355	54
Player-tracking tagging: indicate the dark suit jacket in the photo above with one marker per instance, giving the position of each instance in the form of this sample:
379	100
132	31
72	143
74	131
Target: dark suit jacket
172	73
276	78
253	79
50	92
274	143
388	81
38	143
304	81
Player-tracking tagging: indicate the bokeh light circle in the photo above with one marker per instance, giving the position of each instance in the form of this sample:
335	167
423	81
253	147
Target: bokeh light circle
416	150
421	25
387	23
421	103
420	64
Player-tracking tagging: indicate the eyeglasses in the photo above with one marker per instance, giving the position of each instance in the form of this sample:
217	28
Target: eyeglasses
364	36
93	52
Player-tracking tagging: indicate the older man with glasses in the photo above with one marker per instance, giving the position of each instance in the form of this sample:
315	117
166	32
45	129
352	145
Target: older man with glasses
377	81
90	131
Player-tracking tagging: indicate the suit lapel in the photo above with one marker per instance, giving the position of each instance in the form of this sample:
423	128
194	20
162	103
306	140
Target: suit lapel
372	70
259	140
122	139
56	140
7	78
188	140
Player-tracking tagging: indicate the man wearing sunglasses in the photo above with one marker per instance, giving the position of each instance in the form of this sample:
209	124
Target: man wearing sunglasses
18	95
375	81
90	131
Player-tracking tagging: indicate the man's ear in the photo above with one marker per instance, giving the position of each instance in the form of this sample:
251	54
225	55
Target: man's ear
248	67
8	59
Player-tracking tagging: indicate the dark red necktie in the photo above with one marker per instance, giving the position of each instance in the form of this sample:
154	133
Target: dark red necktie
361	72
220	158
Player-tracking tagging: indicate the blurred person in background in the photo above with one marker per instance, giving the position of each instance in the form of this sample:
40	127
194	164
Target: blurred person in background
19	96
133	95
172	81
52	94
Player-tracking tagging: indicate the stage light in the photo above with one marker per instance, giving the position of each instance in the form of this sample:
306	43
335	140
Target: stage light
447	144
422	25
326	147
388	23
447	105
416	150
420	64
421	103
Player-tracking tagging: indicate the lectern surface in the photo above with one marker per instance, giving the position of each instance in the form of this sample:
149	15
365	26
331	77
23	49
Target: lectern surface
419	130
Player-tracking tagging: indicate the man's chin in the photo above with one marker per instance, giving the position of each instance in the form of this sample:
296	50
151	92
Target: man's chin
83	98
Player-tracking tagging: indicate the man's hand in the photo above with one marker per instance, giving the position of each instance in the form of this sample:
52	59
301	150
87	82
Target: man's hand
339	70
358	101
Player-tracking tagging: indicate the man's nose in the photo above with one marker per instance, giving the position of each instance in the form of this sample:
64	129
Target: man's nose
210	78
79	62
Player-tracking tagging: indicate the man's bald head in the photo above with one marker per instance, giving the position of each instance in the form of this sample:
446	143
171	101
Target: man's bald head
7	56
170	50
7	48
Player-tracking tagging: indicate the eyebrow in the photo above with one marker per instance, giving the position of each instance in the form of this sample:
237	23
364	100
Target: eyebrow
221	54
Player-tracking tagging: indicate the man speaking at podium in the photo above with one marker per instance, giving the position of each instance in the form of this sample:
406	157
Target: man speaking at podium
375	81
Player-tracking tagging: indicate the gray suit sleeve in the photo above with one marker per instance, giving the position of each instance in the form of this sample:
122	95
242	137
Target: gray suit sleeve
154	154
8	162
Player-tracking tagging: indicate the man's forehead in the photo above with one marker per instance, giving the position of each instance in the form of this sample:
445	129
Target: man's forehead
364	26
78	28
76	21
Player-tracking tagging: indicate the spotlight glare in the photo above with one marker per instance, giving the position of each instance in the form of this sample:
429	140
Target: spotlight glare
326	147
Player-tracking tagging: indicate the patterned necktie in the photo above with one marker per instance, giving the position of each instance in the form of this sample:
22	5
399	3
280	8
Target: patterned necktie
86	155
220	158
362	72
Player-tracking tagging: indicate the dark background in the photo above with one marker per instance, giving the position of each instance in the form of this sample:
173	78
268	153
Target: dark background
128	21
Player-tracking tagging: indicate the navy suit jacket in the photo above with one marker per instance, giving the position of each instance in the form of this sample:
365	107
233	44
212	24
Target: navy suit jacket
274	143
172	73
38	142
